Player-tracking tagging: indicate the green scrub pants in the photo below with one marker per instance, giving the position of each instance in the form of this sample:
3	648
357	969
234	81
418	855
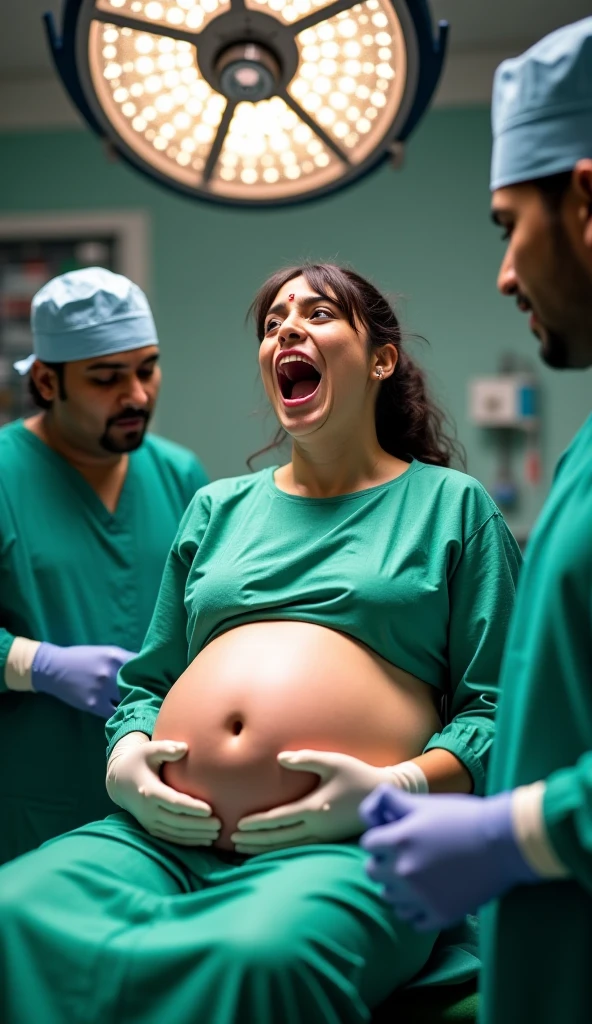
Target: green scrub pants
107	925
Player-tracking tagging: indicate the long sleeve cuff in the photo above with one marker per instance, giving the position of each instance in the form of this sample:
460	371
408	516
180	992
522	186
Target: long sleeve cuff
531	834
133	722
470	742
19	664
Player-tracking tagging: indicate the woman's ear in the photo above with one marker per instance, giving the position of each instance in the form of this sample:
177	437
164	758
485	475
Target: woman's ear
386	358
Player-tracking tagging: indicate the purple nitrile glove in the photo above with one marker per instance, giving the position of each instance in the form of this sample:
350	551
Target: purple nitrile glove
84	676
440	857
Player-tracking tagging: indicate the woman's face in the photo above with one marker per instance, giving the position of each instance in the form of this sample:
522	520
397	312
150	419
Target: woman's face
315	367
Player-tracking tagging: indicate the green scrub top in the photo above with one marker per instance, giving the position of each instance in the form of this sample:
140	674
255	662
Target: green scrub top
421	569
72	572
537	940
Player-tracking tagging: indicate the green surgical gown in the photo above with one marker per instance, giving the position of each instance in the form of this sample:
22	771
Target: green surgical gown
109	924
421	569
73	573
537	940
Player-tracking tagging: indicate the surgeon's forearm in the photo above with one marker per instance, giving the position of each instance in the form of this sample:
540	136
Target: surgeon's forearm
444	772
19	664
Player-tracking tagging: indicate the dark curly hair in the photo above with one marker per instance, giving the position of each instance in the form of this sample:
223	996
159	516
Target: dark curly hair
408	420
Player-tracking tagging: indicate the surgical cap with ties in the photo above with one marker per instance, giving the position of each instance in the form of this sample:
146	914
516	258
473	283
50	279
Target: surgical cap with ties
85	314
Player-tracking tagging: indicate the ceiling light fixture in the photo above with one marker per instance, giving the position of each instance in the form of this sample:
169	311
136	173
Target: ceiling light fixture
251	102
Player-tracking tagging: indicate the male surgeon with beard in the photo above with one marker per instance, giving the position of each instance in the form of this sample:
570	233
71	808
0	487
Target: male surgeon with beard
89	507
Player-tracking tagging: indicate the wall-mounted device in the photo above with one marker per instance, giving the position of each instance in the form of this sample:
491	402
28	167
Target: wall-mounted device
507	400
508	405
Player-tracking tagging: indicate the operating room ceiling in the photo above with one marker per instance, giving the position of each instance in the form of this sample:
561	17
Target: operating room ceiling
476	25
505	24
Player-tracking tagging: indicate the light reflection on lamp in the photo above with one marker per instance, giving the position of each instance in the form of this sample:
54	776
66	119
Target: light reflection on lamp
250	101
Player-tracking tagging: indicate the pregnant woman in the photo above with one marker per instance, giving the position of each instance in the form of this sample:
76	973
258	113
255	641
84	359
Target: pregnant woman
321	627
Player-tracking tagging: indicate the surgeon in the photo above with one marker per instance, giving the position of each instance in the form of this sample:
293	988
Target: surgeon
89	506
526	849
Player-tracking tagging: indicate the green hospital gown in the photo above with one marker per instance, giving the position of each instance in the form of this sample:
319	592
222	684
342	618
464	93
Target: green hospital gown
537	940
422	570
73	573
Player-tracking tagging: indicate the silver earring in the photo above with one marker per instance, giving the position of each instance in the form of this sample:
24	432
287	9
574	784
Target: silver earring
379	372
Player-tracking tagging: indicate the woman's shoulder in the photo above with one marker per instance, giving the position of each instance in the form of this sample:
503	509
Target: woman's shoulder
455	481
212	504
457	493
228	490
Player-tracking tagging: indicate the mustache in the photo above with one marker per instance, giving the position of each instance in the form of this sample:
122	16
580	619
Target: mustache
129	414
522	302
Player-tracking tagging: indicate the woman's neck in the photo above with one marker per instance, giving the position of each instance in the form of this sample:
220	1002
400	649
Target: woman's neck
343	468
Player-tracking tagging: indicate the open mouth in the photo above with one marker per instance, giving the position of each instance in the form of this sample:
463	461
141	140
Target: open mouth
298	379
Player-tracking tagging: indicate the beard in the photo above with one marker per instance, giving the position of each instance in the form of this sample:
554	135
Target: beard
568	344
555	351
129	440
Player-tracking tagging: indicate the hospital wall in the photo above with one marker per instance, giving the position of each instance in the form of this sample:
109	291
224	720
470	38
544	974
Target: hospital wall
422	233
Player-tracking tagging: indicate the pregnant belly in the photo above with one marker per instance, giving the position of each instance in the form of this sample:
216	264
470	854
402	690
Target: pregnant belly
271	686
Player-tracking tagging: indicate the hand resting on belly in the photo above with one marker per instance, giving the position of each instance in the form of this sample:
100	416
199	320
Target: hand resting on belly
271	686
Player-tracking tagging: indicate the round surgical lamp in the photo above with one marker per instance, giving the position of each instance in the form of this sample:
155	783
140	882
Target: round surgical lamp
251	102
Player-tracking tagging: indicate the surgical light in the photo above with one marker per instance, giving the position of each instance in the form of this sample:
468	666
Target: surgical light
251	102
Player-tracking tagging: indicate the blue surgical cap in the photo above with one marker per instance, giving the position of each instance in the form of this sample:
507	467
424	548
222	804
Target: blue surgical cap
88	313
542	108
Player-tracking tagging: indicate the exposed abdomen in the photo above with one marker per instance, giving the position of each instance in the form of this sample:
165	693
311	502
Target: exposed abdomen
271	686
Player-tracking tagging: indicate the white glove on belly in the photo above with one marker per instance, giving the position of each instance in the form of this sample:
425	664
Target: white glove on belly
330	812
134	783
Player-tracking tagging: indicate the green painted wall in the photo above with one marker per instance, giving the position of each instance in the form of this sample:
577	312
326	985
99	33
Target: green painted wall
422	233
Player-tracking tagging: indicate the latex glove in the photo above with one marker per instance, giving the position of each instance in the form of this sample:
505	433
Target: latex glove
134	783
441	857
84	676
327	814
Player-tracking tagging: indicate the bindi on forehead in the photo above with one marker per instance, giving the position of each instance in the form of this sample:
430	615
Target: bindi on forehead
302	301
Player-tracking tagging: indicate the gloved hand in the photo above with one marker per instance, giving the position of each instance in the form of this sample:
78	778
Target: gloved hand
134	783
83	676
441	857
327	814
